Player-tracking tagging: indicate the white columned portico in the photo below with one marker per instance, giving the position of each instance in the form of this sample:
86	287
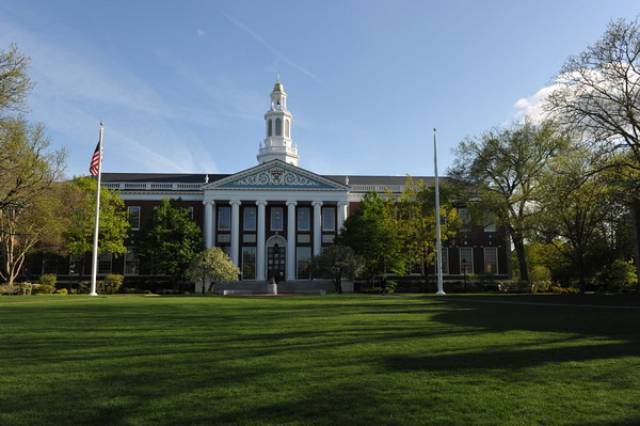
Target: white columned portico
235	231
291	240
208	223
342	215
317	223
260	256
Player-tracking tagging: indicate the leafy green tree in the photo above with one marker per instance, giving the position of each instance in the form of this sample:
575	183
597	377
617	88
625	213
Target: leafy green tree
597	95
416	222
29	196
171	244
14	81
372	233
337	262
504	168
574	204
80	204
212	265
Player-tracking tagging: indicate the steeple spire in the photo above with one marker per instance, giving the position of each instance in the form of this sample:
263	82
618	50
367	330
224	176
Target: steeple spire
278	143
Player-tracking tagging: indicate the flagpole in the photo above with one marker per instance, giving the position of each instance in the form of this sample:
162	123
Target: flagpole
440	291
94	262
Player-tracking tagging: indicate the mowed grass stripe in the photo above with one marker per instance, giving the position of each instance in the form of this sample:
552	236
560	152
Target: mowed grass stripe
404	359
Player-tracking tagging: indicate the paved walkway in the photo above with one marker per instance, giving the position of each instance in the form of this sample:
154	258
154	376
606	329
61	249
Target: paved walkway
466	299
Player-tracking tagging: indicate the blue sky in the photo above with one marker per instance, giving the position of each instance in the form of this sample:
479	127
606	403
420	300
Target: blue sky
182	86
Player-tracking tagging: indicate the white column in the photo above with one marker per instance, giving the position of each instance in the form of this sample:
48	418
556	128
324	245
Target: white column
291	240
317	223
235	231
260	255
214	224
342	214
208	221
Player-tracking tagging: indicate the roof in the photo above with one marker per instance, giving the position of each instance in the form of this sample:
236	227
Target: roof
200	178
161	177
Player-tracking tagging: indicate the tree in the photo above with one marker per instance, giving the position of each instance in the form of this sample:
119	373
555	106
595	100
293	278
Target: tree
80	206
416	222
597	94
575	203
29	197
504	167
14	81
212	265
337	262
372	234
172	243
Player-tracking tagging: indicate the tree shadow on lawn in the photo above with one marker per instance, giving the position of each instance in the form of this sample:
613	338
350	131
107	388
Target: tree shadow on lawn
617	330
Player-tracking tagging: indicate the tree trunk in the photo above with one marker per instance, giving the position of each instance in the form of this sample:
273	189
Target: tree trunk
635	222
518	243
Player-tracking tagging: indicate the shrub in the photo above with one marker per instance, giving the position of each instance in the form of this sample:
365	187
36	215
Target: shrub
62	291
390	287
111	283
7	289
371	290
48	279
43	289
540	278
514	286
619	276
564	291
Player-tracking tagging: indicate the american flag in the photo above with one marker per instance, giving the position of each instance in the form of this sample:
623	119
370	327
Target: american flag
94	167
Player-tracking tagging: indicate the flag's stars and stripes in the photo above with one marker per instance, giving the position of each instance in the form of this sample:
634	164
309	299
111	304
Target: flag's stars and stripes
94	167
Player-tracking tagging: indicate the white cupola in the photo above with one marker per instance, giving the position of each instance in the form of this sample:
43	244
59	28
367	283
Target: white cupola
278	120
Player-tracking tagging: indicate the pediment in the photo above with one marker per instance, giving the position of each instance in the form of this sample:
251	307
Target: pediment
277	174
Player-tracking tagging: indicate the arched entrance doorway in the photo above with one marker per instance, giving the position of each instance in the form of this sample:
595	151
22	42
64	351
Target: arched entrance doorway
276	258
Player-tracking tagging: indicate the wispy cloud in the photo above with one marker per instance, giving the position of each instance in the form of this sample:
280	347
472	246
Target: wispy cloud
200	33
76	82
278	54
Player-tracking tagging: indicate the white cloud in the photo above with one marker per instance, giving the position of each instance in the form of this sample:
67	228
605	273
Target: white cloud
200	33
533	106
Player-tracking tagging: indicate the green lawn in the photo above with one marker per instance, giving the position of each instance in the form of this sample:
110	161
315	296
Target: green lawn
405	359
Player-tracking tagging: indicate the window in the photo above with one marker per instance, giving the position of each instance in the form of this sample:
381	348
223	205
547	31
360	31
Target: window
224	218
491	260
248	263
489	223
329	219
131	262
133	213
465	217
277	219
249	218
269	128
466	260
304	218
104	263
286	127
445	260
278	127
303	262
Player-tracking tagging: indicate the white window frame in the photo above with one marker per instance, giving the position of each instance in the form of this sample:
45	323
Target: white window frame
484	255
470	270
298	211
219	219
131	251
271	216
244	218
333	219
129	210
